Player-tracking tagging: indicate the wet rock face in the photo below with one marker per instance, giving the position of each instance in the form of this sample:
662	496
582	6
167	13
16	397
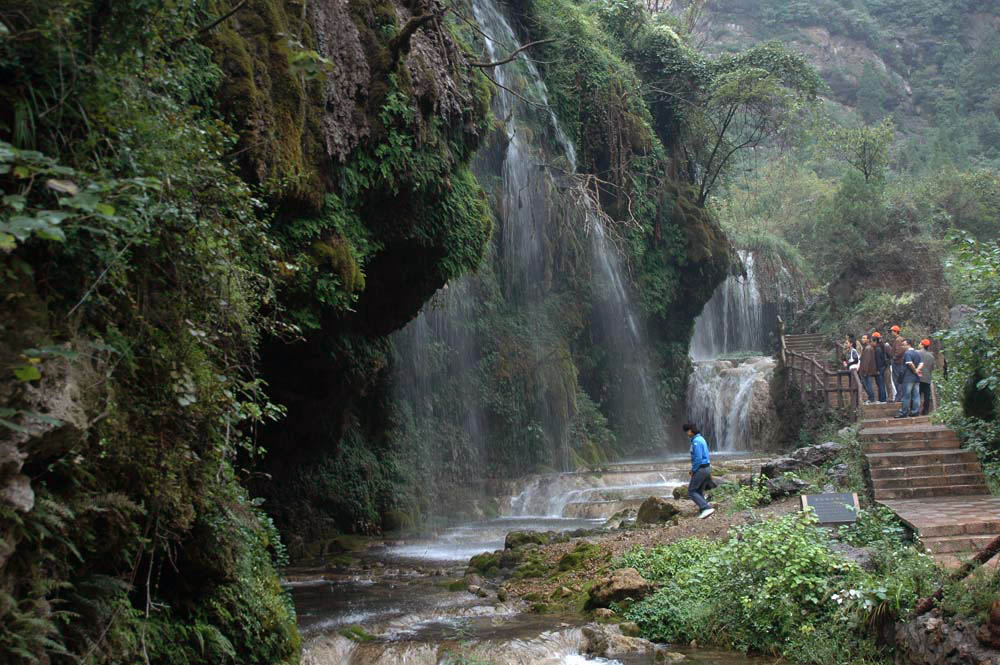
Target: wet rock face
930	640
624	584
989	636
655	510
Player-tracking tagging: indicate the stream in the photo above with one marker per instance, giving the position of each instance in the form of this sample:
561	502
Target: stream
398	589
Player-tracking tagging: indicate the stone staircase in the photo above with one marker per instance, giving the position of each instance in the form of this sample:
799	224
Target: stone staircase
919	471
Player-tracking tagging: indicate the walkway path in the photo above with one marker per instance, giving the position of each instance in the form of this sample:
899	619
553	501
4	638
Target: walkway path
920	472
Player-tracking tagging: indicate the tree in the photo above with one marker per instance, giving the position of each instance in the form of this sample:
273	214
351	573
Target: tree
745	100
866	148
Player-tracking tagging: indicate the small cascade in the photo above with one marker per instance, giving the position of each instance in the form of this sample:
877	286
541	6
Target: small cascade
730	401
728	393
733	320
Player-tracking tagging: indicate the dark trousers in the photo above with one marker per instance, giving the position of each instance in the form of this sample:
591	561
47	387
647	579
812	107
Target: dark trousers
866	381
925	398
696	488
880	380
898	371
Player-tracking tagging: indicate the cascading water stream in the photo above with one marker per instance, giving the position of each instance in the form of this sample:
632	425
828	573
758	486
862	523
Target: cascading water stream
726	396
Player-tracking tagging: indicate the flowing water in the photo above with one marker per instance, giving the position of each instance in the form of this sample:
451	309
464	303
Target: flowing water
398	590
728	390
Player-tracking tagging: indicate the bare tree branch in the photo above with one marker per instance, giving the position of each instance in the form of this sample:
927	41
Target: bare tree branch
512	55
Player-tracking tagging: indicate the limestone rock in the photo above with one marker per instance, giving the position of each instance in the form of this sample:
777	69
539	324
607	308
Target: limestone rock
663	657
801	458
838	474
785	486
603	613
989	635
620	585
622	518
681	492
930	640
629	628
607	641
517	539
655	510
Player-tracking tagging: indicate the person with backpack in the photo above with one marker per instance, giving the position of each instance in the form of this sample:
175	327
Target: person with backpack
701	471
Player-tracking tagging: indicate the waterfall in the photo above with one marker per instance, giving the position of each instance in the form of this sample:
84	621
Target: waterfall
733	319
529	169
729	399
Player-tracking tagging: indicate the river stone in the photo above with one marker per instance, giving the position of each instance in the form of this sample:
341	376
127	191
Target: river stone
603	613
663	657
607	641
681	492
655	510
801	458
620	585
621	519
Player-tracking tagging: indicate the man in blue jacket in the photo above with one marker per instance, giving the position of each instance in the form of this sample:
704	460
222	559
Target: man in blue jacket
701	471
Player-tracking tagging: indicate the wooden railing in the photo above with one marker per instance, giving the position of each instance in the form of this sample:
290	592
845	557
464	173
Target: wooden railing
838	389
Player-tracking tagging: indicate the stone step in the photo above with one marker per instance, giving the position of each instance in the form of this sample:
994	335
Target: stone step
920	458
925	470
928	492
928	481
955	544
880	410
952	561
904	430
894	422
976	527
912	444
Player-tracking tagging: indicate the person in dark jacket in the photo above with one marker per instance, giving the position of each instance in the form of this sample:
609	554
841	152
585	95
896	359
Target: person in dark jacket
926	376
867	369
913	364
881	354
701	471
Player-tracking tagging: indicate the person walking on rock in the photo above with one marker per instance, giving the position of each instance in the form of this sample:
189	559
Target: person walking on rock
928	360
701	473
882	359
912	366
898	368
867	370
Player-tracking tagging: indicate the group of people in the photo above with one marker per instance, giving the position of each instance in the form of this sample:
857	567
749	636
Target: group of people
898	369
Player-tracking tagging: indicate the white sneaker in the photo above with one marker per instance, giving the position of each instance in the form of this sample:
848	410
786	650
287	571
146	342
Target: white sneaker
705	513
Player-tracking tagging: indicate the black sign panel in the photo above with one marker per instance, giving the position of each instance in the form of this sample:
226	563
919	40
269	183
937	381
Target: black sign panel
833	508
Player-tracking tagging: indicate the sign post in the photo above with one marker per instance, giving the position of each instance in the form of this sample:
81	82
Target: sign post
833	509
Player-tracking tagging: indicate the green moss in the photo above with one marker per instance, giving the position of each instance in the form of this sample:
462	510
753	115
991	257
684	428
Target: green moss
356	633
485	562
578	556
456	585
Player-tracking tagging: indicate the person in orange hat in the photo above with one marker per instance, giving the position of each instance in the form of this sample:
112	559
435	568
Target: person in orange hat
926	390
898	368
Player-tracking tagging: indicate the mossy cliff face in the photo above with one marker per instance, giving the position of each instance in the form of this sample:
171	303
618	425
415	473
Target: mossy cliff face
376	209
221	204
599	68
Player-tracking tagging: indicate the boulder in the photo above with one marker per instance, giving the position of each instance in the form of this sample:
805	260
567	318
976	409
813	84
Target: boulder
785	486
655	510
801	458
931	640
603	613
989	635
681	492
607	641
622	518
517	539
620	585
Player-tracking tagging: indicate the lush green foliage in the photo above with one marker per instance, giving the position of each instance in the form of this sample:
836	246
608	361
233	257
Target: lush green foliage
776	587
